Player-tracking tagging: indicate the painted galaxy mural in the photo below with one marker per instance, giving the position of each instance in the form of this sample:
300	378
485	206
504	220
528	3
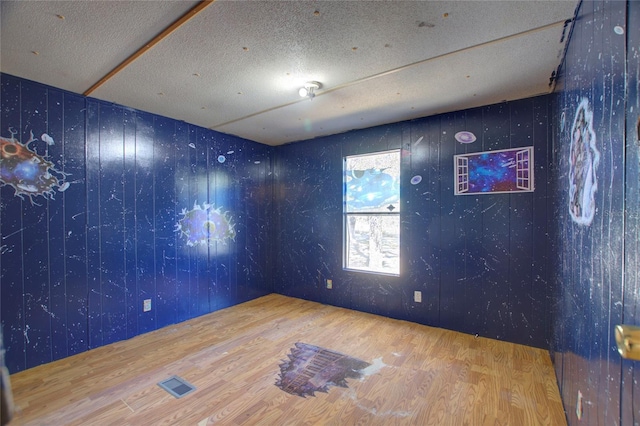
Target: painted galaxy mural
583	162
27	172
311	369
371	188
204	225
508	170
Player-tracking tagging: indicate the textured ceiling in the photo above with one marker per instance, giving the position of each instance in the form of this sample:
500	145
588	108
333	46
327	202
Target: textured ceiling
236	66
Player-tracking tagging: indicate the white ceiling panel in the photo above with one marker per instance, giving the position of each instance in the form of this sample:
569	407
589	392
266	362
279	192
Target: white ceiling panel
236	66
460	80
72	44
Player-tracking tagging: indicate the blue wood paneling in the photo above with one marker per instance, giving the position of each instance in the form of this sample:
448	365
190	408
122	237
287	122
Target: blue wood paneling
111	224
94	291
183	202
56	230
224	157
77	264
450	260
424	249
145	221
129	223
75	225
199	195
13	327
630	402
37	331
496	230
590	254
542	286
165	221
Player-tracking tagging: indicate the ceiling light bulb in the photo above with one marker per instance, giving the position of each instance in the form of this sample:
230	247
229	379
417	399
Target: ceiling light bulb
309	88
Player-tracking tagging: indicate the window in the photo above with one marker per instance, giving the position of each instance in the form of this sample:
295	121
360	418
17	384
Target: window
372	212
522	169
463	174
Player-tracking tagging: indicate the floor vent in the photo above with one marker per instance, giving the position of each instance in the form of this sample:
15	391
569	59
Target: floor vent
176	386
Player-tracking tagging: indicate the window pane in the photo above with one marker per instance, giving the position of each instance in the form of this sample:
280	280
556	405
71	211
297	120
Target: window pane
373	243
372	182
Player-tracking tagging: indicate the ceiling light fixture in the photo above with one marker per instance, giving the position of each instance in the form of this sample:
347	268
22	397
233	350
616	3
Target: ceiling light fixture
309	88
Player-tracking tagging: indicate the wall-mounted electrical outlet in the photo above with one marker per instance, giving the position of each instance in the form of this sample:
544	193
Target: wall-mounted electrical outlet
579	406
146	305
329	284
417	296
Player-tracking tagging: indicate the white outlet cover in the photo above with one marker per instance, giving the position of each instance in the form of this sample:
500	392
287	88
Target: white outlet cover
146	306
417	296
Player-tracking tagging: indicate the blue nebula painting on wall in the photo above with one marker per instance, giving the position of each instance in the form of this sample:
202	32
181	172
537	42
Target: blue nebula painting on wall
27	172
583	162
507	170
371	188
203	225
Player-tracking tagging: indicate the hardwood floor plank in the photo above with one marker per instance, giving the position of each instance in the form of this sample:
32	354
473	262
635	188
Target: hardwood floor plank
417	374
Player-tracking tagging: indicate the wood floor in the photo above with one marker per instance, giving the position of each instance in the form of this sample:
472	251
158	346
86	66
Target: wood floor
418	375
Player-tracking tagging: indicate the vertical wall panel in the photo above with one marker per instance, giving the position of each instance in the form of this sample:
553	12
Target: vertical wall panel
56	227
75	221
496	229
111	225
94	291
521	237
452	245
407	296
183	203
11	288
165	217
132	307
200	262
214	183
145	221
247	231
424	199
222	157
541	285
193	252
229	291
34	237
472	223
630	402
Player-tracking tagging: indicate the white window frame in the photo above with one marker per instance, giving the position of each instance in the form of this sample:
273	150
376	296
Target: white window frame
386	229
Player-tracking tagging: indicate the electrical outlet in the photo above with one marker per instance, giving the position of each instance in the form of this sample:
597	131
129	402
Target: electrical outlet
417	296
146	305
579	406
329	284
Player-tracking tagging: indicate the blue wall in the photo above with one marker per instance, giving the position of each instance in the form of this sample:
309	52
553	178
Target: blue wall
597	262
76	266
481	262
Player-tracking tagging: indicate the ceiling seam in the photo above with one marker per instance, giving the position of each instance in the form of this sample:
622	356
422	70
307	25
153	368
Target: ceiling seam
151	43
393	71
